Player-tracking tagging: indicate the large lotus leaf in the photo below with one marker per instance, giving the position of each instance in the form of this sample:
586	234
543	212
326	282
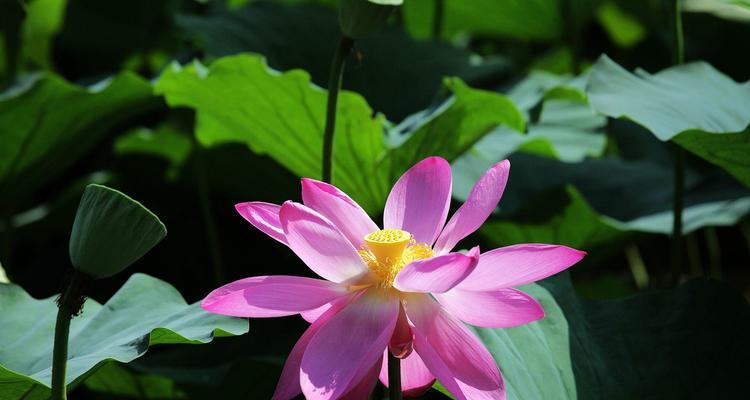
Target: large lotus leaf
46	123
239	99
687	342
693	96
695	105
389	60
144	312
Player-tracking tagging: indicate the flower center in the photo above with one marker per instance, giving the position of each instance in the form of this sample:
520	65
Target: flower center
387	251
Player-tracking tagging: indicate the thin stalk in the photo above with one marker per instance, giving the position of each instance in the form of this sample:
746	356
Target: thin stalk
637	267
394	378
334	86
206	211
679	154
437	19
60	353
69	304
677	37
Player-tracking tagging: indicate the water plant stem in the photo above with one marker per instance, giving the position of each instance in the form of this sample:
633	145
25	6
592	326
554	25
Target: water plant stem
69	304
334	86
437	19
60	353
679	156
394	378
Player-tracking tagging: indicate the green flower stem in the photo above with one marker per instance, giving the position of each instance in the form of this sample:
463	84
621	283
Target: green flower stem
334	86
437	19
679	158
60	353
394	378
69	304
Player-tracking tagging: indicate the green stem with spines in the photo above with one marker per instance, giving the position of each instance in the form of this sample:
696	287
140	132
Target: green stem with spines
334	87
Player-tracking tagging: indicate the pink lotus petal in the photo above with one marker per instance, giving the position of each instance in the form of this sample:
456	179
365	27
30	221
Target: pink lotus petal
335	205
271	296
418	202
416	379
344	350
264	216
501	308
320	244
364	388
313	315
438	274
402	340
482	200
288	386
452	353
519	265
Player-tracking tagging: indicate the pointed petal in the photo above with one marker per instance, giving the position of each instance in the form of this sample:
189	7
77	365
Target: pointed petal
453	353
415	377
519	265
288	386
264	216
501	308
344	350
418	202
438	274
271	296
320	244
482	200
335	205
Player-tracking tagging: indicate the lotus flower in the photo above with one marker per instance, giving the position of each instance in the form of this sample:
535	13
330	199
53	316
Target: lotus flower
400	289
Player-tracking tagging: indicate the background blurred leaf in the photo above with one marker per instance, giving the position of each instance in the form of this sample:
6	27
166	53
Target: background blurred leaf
43	21
530	19
453	128
558	216
145	311
729	151
46	123
163	141
395	73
